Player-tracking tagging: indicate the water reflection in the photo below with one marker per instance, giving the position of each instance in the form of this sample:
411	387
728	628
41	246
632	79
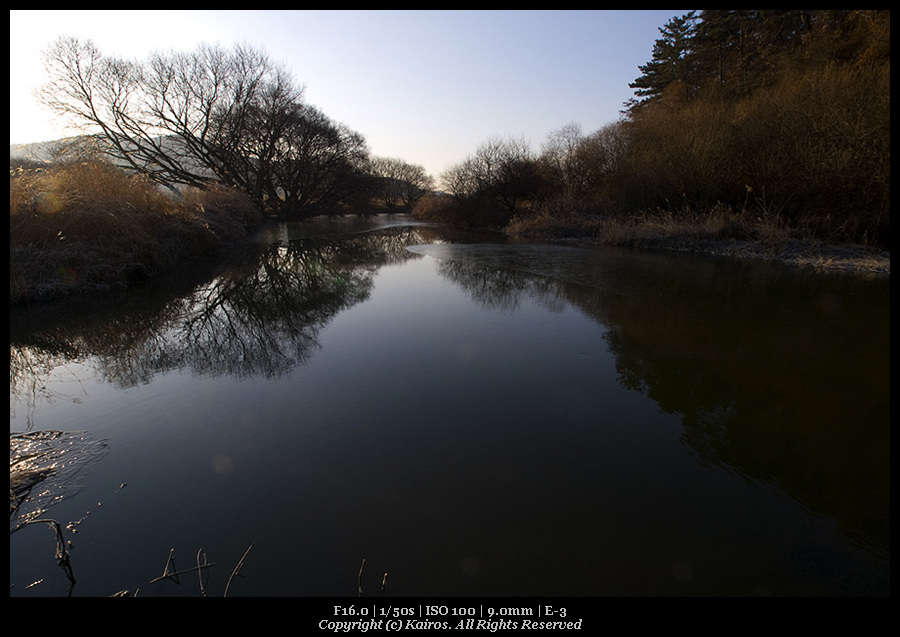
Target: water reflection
261	319
46	467
777	377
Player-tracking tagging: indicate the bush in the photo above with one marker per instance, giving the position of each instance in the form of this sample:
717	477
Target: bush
437	208
89	226
559	219
812	148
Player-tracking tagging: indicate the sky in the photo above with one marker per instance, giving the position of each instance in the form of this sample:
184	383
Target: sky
428	87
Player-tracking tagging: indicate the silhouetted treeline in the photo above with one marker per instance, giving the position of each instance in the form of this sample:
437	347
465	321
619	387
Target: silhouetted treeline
775	114
229	117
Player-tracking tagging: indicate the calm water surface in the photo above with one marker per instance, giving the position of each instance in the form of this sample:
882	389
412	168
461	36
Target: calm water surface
471	417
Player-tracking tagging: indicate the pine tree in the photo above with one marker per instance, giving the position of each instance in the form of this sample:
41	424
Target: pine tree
672	60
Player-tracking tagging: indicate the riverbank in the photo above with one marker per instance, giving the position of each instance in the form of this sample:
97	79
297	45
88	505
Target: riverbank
796	252
88	227
716	233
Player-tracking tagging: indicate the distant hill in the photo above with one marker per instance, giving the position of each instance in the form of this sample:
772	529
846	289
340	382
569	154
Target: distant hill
37	151
43	152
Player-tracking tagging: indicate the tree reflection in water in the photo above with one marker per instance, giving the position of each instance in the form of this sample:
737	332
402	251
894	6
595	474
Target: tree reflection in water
735	351
257	320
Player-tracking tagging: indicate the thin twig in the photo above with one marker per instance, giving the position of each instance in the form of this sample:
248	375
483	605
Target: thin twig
62	551
237	568
176	573
359	578
200	570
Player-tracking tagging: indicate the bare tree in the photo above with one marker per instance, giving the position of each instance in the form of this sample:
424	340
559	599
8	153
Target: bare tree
162	118
598	156
400	184
230	116
501	170
579	164
319	164
558	155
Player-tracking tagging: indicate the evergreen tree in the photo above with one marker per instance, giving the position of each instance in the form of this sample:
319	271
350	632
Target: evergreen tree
672	60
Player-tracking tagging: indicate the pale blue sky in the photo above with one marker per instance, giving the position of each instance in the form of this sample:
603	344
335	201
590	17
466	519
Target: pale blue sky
426	86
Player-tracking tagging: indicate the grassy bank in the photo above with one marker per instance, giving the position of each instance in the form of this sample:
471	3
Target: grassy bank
716	231
89	227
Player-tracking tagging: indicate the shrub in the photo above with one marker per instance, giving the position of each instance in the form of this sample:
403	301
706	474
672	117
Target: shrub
436	207
812	148
88	226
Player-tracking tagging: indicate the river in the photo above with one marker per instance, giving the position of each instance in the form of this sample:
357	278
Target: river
473	417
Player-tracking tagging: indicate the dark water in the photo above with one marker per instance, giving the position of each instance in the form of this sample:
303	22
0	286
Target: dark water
471	417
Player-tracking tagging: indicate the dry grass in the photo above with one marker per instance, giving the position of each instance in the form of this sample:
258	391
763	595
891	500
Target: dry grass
559	221
655	227
88	226
717	231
